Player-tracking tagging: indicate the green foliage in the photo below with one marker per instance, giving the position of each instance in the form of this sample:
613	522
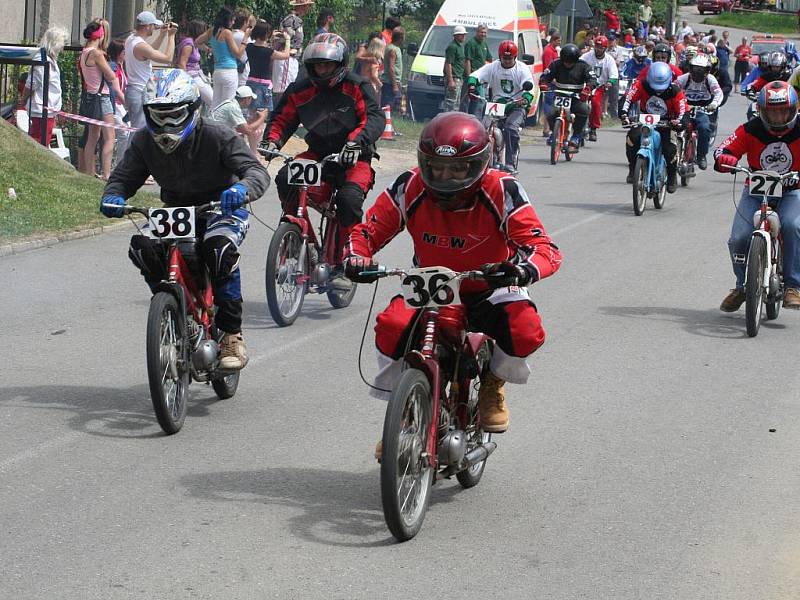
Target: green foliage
771	22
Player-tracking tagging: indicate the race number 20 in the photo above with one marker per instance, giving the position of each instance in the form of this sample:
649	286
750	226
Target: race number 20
304	172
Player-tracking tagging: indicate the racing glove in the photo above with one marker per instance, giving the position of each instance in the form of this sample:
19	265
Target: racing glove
504	274
725	163
233	198
712	107
543	87
349	155
112	206
354	266
270	150
586	93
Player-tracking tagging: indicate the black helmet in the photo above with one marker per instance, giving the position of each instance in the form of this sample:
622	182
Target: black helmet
662	48
326	47
570	53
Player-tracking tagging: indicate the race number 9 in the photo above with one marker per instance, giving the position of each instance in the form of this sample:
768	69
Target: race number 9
304	172
647	119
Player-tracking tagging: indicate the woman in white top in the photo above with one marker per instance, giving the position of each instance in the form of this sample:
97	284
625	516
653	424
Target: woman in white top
53	42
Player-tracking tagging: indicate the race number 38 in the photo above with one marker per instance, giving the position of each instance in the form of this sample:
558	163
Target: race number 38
304	172
434	286
172	222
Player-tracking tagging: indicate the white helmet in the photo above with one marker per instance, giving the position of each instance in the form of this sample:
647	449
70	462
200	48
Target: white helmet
699	67
171	107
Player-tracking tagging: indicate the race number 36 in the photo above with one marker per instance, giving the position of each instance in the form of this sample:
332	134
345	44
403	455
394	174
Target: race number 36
172	222
304	172
434	286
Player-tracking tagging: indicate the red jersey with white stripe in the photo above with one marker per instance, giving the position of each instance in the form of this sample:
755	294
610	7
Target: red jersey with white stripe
764	150
669	105
501	225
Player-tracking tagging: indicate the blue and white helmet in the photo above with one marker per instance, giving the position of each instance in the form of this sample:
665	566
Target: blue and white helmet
171	107
659	77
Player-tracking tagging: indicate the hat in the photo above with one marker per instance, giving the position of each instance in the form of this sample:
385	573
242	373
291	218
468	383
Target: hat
245	91
147	18
459	30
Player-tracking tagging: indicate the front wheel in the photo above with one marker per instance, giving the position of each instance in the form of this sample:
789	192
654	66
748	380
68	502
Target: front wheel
167	361
406	471
754	284
639	185
285	293
557	137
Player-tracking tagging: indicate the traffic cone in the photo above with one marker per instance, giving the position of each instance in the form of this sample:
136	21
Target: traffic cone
388	130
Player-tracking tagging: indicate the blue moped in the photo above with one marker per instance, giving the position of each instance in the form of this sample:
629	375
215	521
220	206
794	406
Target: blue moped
650	170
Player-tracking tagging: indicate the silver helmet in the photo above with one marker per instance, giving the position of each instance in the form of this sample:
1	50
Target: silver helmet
326	48
171	107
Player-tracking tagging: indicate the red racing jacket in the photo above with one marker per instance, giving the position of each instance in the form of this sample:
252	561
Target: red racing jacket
348	112
501	225
670	105
764	150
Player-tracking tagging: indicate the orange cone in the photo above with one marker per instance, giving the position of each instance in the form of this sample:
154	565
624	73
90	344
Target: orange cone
388	130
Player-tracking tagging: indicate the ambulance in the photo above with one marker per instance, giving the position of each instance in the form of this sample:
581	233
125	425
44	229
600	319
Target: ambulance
506	20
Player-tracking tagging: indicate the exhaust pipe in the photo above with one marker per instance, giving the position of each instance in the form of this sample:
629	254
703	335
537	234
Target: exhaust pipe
479	454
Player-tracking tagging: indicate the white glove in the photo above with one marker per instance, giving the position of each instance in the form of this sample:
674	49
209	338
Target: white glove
712	107
349	155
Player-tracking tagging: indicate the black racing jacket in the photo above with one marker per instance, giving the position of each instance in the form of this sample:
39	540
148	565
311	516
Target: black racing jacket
211	160
348	112
579	74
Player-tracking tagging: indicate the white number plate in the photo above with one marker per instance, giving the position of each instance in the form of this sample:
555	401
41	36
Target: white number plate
562	101
646	119
431	286
495	109
305	172
766	183
171	222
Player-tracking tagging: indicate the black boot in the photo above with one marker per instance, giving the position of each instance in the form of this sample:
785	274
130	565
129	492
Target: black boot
629	178
672	179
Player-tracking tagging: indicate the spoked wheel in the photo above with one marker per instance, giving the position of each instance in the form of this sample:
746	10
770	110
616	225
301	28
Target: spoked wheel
167	361
688	159
339	299
754	284
639	185
558	134
284	293
224	383
774	304
406	472
660	196
475	436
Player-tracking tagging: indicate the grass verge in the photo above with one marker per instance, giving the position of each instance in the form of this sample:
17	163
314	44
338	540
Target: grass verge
51	196
761	22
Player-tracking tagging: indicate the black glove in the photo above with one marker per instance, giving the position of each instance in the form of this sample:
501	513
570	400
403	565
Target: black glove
354	267
504	274
349	155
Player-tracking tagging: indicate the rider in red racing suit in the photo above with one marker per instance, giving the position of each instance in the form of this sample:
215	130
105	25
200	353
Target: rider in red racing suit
463	216
341	114
771	142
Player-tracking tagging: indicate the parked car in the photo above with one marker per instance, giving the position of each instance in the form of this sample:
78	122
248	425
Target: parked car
766	43
713	6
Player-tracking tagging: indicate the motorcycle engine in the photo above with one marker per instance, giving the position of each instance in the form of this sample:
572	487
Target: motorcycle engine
320	274
204	358
452	447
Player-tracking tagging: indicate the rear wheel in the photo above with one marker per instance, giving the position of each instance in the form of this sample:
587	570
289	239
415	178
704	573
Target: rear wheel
754	284
774	303
660	196
558	134
167	361
225	384
639	185
284	293
340	299
406	471
475	436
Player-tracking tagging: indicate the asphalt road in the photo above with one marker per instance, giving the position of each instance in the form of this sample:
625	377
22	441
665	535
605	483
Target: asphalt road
639	463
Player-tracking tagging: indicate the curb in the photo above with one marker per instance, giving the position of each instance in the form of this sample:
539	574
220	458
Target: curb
52	240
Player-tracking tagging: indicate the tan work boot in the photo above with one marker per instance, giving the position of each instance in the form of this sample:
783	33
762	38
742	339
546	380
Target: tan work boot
732	301
379	450
492	404
791	299
232	352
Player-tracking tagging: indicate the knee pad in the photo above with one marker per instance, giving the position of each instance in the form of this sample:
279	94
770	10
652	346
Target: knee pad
221	257
148	256
282	183
349	202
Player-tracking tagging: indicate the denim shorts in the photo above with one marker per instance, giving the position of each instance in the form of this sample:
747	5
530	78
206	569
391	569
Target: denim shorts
263	97
96	106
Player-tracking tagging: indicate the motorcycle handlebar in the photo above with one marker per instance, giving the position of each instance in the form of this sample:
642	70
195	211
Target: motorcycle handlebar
748	172
145	211
381	271
270	154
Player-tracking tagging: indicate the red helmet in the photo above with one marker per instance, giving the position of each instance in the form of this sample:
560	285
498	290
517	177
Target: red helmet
777	107
507	49
601	42
453	154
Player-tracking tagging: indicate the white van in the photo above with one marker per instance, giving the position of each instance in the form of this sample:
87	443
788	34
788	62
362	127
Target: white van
506	19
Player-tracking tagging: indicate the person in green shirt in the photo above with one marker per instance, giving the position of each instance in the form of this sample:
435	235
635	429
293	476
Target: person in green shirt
645	16
476	51
454	69
391	78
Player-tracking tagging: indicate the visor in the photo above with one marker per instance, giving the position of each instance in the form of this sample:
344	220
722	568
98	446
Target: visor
169	116
452	175
778	118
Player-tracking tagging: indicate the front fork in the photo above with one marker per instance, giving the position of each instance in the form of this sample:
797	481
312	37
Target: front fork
768	264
